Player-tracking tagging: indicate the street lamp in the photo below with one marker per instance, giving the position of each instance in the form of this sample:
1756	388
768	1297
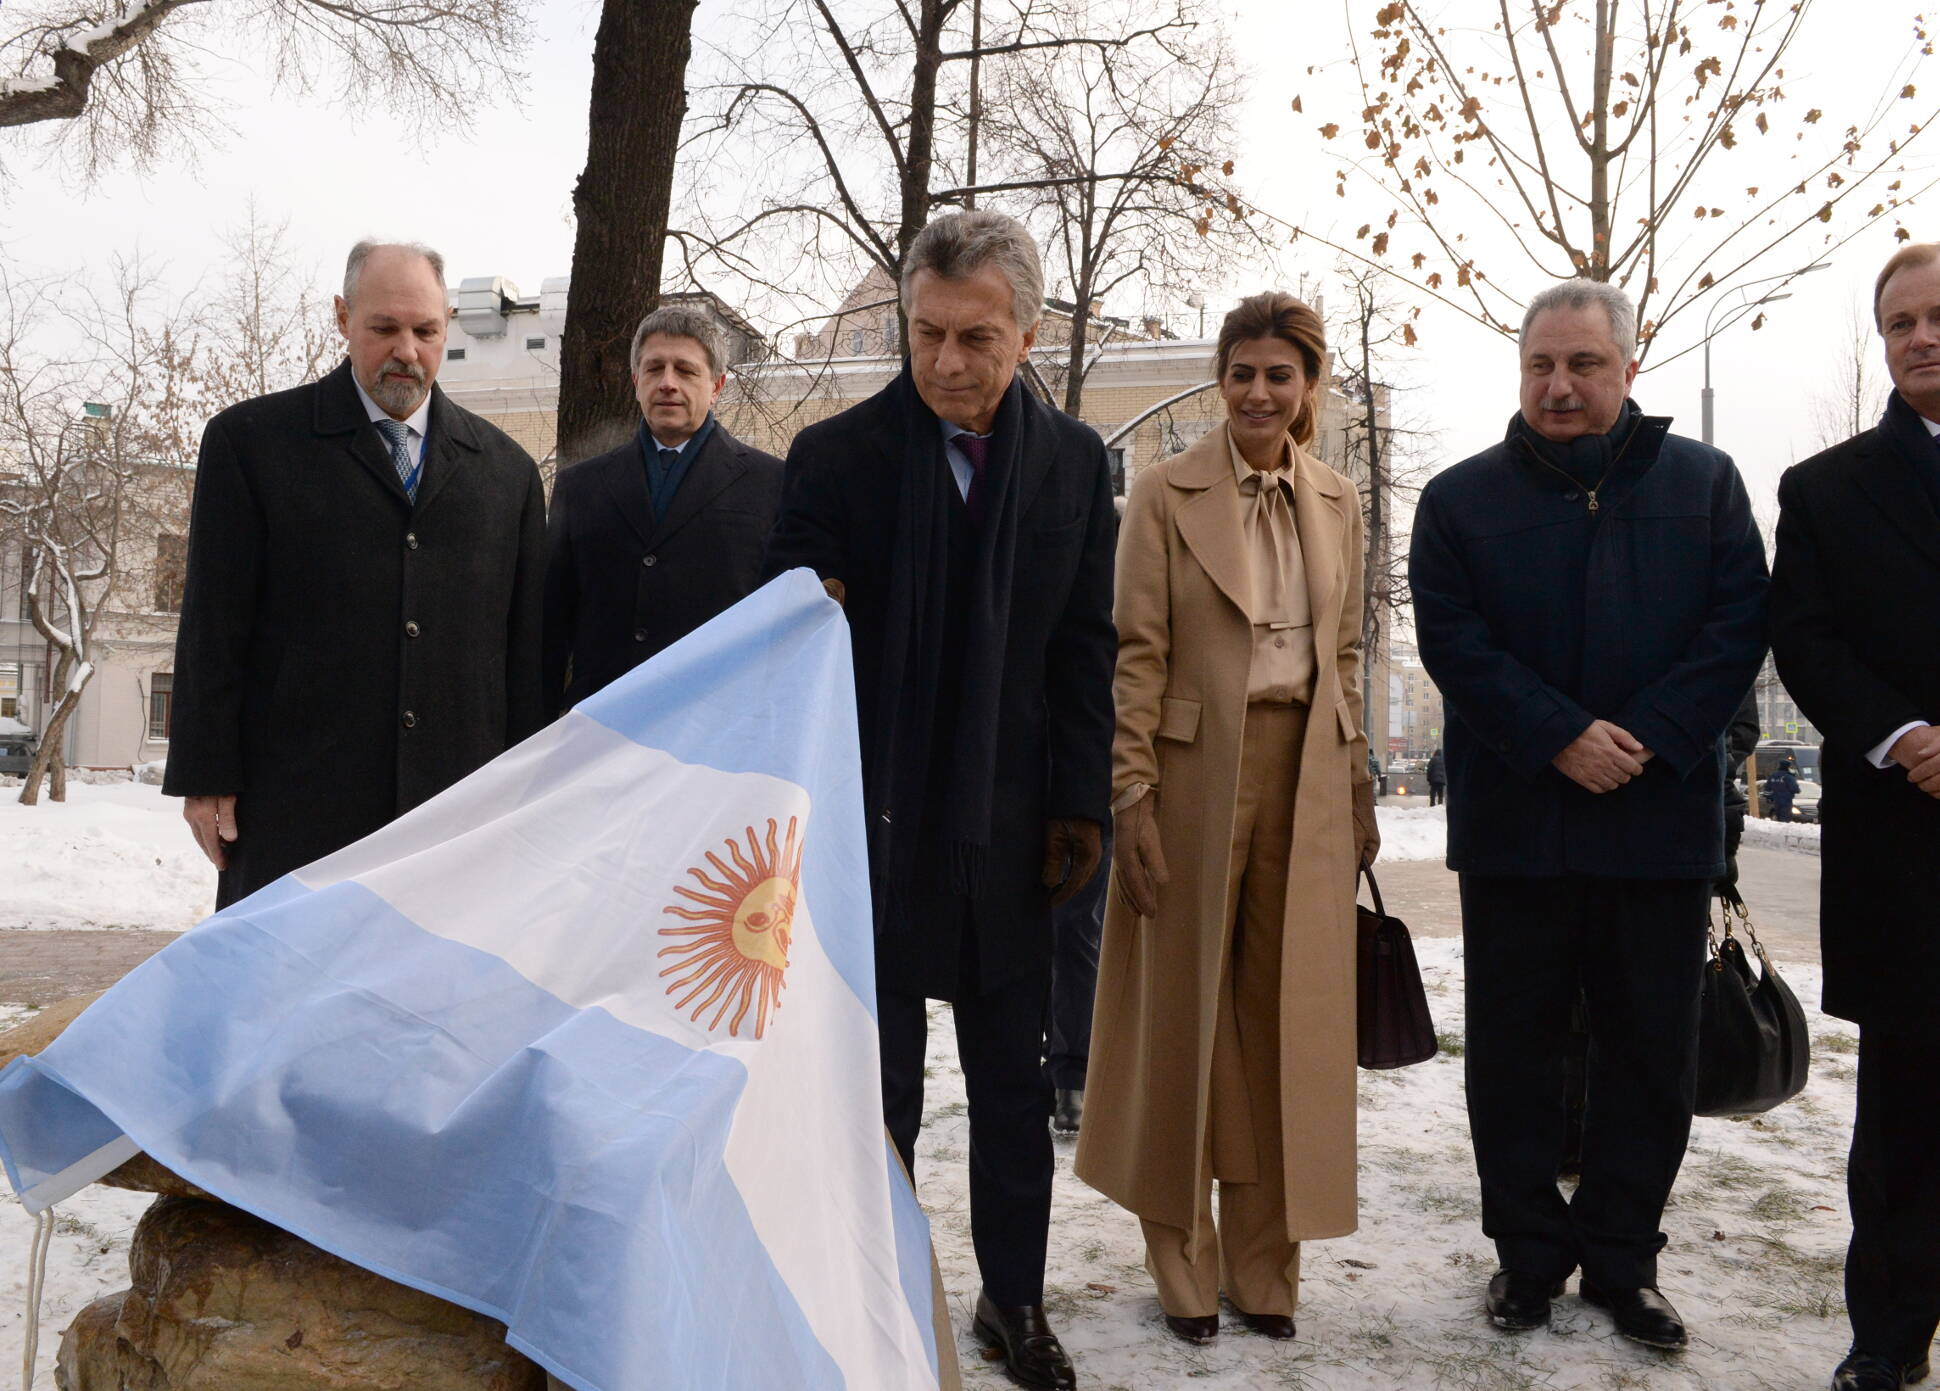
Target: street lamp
1707	398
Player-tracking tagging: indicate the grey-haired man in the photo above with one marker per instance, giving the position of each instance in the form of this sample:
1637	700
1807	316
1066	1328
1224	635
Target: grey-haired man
649	541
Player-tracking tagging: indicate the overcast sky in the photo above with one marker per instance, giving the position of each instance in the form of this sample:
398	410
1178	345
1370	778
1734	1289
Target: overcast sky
496	198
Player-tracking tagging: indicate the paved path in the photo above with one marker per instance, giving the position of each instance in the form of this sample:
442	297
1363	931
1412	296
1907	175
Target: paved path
38	968
1781	888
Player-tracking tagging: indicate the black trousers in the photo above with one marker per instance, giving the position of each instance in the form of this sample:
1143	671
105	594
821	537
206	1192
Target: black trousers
1437	793
1077	929
1893	1184
999	1040
1634	949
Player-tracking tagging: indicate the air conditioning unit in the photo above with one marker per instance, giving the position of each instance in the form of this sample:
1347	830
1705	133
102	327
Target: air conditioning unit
481	304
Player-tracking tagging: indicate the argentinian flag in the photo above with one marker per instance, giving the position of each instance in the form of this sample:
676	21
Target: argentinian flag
586	1043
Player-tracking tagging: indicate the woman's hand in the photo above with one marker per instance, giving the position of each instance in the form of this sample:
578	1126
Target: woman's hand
1136	860
1367	829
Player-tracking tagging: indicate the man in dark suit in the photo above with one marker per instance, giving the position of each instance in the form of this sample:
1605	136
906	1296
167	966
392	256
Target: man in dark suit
650	541
1857	640
360	623
967	527
1590	600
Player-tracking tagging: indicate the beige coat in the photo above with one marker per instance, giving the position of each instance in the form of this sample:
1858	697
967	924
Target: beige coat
1185	643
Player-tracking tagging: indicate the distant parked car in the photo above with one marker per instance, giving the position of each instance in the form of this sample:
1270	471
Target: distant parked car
16	754
1805	806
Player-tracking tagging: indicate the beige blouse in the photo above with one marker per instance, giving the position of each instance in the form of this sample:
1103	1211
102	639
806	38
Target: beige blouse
1282	611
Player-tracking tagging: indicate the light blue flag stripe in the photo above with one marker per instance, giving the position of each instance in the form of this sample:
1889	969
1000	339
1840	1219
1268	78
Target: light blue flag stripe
488	1143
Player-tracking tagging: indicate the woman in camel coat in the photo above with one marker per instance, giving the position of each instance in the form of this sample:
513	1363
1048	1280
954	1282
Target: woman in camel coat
1223	1047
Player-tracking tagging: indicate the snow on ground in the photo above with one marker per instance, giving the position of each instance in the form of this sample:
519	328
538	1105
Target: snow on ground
1412	833
113	855
1757	1225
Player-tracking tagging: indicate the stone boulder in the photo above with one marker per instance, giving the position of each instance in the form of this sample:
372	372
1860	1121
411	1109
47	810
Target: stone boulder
222	1301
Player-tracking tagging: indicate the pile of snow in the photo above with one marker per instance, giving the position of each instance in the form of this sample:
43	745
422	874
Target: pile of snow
115	854
1413	833
1799	836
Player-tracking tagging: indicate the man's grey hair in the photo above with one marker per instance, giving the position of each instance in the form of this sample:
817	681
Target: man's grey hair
1588	294
959	245
681	321
360	253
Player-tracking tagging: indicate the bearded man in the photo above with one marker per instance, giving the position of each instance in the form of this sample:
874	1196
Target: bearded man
361	618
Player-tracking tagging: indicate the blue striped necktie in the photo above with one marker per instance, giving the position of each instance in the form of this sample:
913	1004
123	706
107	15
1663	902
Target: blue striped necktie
399	434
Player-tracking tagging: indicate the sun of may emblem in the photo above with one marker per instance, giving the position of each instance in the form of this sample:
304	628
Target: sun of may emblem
735	950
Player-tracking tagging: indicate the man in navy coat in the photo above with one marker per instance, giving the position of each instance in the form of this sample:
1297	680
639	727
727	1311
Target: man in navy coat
1590	600
650	540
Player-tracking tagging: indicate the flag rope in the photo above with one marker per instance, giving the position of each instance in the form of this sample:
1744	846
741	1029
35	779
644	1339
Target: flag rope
36	1286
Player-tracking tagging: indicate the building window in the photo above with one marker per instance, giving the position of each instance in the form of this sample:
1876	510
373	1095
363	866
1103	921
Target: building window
171	568
454	354
161	706
858	342
534	344
10	690
1116	456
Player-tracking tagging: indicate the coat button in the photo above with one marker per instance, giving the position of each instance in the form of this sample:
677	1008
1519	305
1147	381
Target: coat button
410	720
639	634
411	539
1279	642
410	630
651	561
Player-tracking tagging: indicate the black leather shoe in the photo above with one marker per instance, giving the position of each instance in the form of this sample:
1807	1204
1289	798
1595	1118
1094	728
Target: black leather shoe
1276	1326
1861	1371
1194	1329
1069	1113
1032	1354
1643	1315
1519	1302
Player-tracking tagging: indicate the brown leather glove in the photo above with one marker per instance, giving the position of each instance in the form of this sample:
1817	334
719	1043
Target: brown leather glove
837	591
1136	859
1366	827
1072	850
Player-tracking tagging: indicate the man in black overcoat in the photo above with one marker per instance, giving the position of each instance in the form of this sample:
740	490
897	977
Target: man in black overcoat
1857	639
967	528
651	540
360	622
1590	600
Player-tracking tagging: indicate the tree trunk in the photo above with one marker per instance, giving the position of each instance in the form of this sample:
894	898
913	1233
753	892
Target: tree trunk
921	149
620	209
49	764
1074	378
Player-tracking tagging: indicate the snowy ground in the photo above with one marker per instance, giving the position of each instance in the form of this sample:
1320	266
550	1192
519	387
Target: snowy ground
113	855
1757	1225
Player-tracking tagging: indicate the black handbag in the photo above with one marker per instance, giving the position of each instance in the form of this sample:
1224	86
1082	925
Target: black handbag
1753	1050
1393	1027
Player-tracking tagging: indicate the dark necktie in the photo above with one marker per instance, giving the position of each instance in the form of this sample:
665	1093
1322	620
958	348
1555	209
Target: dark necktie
399	436
976	449
663	471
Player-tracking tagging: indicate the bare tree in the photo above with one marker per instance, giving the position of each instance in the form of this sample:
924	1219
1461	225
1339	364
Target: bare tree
1853	398
836	136
103	396
620	208
1379	454
118	77
1118	157
1612	141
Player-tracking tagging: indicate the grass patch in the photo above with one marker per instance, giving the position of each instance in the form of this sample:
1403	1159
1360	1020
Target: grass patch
1451	1045
1835	1043
1780	1204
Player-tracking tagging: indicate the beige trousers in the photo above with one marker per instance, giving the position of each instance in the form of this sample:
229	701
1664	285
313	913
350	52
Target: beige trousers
1245	1249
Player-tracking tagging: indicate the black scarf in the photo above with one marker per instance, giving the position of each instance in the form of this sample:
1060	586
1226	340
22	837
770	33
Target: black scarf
902	759
1587	458
1907	435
